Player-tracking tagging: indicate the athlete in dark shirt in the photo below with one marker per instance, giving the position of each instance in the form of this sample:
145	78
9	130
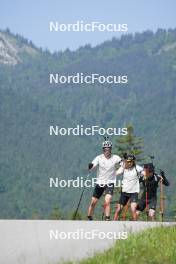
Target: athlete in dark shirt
150	181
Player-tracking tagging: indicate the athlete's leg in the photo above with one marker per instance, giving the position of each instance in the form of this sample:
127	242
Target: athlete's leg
134	200
152	208
137	213
118	210
122	202
152	214
133	211
92	205
108	198
97	193
140	206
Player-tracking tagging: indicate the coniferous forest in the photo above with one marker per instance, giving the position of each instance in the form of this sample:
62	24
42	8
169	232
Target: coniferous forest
29	105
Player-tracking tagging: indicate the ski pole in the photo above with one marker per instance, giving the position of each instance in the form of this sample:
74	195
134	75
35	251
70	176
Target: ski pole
161	200
75	214
152	159
146	200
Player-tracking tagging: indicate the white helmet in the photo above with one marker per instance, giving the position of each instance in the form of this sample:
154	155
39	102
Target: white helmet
107	144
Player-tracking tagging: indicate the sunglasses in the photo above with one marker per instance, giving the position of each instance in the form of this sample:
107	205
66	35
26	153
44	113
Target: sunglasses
148	170
107	150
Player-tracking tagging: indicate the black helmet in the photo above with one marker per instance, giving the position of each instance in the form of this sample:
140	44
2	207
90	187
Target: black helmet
150	167
130	157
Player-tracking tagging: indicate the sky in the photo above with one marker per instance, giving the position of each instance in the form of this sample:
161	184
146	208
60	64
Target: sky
31	19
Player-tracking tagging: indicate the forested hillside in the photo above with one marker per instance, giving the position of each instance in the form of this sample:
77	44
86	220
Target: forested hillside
29	105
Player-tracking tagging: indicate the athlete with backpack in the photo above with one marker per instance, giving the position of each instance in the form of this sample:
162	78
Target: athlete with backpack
150	181
130	172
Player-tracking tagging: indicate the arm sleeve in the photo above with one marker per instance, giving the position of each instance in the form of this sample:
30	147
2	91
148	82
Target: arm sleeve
141	178
118	159
139	169
119	171
95	162
165	181
140	172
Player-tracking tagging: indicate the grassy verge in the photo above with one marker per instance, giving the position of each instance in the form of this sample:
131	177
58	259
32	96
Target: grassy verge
153	246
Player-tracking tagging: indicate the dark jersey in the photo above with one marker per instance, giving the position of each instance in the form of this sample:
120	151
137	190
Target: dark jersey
151	184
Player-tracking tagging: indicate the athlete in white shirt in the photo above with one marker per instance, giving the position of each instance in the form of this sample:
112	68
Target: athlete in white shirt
130	185
106	177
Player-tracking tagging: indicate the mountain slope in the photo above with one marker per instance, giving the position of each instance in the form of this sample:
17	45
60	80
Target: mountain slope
29	105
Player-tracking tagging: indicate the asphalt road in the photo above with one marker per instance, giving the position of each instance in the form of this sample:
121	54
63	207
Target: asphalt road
51	242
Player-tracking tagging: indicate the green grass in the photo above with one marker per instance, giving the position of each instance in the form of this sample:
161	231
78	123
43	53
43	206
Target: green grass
153	246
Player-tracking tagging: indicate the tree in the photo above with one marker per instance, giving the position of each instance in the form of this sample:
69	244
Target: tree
130	144
55	214
35	215
78	216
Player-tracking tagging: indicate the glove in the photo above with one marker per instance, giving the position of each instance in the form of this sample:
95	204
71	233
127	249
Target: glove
163	177
90	165
162	173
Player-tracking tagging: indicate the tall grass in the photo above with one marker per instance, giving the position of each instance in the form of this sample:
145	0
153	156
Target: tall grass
153	246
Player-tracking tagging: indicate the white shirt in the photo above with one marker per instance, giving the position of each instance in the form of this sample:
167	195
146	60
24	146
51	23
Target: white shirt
106	171
130	182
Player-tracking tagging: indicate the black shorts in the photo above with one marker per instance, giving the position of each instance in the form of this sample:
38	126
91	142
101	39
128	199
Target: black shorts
124	197
151	203
100	189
